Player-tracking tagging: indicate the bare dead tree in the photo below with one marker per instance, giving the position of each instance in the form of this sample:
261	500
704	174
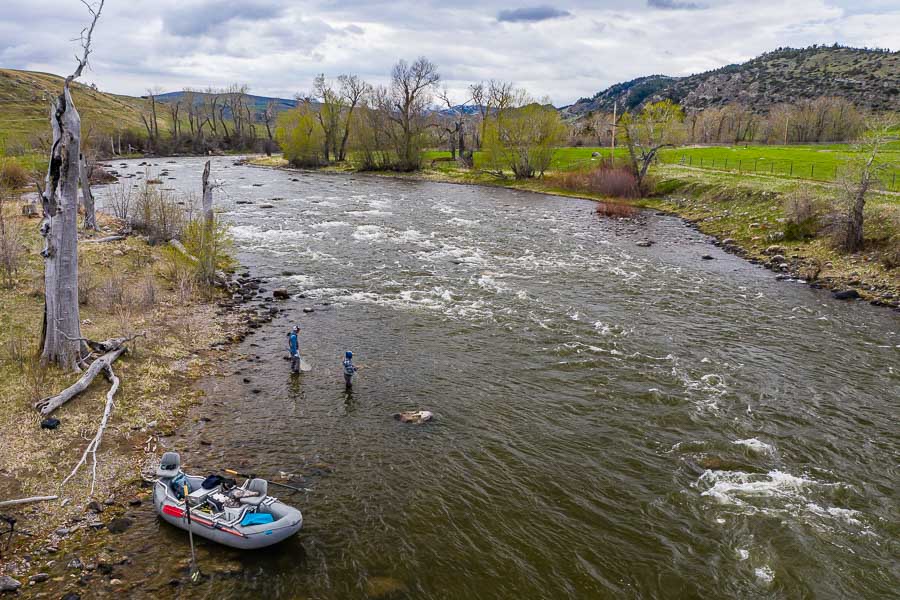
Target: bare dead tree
60	339
410	95
353	90
90	217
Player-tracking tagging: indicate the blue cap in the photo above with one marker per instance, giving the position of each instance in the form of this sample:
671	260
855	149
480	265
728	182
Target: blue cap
348	354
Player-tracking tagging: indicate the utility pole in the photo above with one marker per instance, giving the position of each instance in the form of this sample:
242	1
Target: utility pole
787	122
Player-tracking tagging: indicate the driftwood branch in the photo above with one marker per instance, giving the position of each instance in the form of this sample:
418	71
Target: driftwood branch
48	405
27	500
109	238
112	348
95	443
183	251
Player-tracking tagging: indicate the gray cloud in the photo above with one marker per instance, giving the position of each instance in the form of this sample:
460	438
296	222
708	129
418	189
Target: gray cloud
198	19
531	14
675	5
278	46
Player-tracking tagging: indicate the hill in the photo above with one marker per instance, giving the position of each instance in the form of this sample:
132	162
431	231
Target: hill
25	107
868	78
257	103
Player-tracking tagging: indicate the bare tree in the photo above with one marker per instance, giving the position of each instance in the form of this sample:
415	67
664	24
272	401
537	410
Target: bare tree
410	96
90	217
863	173
657	126
353	90
61	341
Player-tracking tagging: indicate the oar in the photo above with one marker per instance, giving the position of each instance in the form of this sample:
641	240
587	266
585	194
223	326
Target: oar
284	485
195	572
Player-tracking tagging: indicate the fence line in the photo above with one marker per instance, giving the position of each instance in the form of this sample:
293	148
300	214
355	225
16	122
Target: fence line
779	167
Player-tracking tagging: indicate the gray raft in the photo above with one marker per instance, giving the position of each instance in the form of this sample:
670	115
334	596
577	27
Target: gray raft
222	524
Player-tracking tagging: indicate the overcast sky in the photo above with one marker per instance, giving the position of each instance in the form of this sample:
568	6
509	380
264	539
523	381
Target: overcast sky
563	50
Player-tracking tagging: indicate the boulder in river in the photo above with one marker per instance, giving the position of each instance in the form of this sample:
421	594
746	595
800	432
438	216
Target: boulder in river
644	243
119	525
416	417
846	295
280	294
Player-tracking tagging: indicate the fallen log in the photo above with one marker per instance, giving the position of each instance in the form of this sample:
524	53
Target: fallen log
109	238
27	500
183	251
95	443
48	405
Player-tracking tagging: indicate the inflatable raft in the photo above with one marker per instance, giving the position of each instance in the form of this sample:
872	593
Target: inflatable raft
237	516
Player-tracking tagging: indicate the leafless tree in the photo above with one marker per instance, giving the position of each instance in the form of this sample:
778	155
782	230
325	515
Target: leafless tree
862	174
61	342
353	89
410	97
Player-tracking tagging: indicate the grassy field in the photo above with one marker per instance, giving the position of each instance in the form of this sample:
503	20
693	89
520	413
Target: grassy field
25	108
813	162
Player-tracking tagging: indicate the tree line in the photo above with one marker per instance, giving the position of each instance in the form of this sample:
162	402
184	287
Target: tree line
825	119
389	127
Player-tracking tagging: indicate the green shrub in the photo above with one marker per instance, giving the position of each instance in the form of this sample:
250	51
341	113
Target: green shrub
803	212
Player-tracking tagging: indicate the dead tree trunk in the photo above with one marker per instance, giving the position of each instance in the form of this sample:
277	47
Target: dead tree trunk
60	343
208	251
90	218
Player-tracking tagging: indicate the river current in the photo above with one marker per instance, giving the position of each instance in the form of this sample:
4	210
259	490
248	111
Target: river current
612	421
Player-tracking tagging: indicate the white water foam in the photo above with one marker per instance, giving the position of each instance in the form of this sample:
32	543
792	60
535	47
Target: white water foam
368	233
754	445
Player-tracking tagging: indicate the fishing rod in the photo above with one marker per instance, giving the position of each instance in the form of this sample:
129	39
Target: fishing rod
195	572
284	485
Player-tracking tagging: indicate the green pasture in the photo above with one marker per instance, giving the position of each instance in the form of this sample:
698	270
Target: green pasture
814	162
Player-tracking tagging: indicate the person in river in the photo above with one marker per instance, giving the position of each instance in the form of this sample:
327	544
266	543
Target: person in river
349	369
295	349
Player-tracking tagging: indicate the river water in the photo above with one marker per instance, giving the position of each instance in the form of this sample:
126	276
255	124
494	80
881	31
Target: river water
611	421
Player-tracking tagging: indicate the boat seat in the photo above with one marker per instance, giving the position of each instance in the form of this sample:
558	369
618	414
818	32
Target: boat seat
256	485
169	465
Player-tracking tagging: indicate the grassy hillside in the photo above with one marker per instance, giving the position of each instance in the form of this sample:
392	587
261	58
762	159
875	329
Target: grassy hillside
867	78
25	104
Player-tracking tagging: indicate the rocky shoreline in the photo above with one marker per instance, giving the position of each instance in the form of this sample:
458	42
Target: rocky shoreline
49	555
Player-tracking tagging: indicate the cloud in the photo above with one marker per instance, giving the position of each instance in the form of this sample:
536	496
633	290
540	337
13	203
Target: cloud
198	19
531	14
675	5
278	46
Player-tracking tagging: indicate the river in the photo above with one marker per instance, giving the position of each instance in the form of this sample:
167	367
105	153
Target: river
612	421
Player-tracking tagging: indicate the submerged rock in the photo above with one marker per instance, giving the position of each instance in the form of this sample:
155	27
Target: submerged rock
846	295
415	417
119	525
644	243
280	294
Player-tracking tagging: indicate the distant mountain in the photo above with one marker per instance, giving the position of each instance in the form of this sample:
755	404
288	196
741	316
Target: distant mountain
257	103
867	78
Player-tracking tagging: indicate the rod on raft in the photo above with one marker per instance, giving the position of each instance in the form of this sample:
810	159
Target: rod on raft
195	572
284	485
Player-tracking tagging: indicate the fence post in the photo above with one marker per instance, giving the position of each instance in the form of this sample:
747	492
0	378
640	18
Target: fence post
739	164
701	162
792	169
772	167
893	179
726	163
812	171
691	160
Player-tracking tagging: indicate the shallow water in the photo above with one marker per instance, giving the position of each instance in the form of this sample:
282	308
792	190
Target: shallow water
612	421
